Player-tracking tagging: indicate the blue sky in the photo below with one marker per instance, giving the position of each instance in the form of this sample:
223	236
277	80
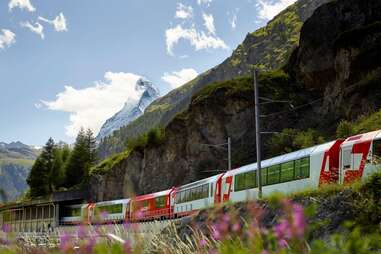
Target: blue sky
71	63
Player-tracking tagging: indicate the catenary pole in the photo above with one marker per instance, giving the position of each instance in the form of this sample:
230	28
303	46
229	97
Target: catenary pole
257	134
229	154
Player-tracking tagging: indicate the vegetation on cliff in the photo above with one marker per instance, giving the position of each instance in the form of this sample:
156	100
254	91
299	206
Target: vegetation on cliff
58	167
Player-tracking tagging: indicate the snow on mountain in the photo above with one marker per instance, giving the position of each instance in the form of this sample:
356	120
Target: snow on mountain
132	108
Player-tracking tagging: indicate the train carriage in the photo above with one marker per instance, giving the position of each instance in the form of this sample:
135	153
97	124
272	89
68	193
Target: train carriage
72	215
153	206
360	156
197	195
114	211
286	173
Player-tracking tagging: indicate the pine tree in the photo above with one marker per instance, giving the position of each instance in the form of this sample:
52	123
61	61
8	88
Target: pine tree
91	146
40	175
57	174
77	163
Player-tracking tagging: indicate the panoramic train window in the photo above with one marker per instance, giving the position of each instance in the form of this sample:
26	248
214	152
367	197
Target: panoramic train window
302	168
264	176
72	212
245	181
160	202
273	174
110	209
287	172
195	193
377	150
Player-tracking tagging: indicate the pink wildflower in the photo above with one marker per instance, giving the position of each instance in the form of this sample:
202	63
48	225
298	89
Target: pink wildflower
127	247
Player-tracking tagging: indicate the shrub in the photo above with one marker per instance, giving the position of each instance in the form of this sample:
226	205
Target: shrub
345	129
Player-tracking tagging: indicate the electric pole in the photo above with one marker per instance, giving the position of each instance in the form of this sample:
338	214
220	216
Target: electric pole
257	134
229	154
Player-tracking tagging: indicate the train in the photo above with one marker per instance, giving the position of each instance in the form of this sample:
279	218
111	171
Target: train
340	161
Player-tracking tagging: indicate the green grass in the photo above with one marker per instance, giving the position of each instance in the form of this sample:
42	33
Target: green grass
154	137
273	80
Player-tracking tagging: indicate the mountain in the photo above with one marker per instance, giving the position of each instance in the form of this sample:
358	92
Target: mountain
333	75
132	109
16	160
267	49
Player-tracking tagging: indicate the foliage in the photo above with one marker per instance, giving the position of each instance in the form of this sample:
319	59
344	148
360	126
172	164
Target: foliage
344	130
39	176
268	81
292	140
365	123
153	137
81	159
57	166
107	164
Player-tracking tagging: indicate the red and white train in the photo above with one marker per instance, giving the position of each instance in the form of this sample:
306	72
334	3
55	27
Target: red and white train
340	161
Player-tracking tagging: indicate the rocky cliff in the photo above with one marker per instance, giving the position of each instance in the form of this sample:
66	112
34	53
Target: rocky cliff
267	48
333	74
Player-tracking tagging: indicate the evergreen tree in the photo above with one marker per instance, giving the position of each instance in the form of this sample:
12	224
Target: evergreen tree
91	146
57	174
40	174
79	162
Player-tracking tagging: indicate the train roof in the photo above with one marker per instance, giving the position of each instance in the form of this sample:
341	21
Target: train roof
283	158
211	179
360	138
153	195
112	202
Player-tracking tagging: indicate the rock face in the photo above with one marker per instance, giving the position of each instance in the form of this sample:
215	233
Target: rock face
268	48
16	160
185	156
339	57
334	74
131	110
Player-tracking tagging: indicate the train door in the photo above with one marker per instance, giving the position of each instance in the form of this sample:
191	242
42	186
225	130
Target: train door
227	188
353	160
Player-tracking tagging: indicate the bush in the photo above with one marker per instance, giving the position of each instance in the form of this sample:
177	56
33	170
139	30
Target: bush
153	138
345	129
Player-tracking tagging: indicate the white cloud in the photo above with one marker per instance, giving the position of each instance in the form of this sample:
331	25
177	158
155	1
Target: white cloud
22	4
59	22
269	10
7	38
38	29
183	11
90	107
209	23
179	78
207	2
199	40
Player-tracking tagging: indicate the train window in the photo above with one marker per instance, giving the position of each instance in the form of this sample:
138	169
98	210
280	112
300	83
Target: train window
264	176
211	190
110	209
160	202
239	182
377	151
245	181
251	180
287	172
302	168
273	174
